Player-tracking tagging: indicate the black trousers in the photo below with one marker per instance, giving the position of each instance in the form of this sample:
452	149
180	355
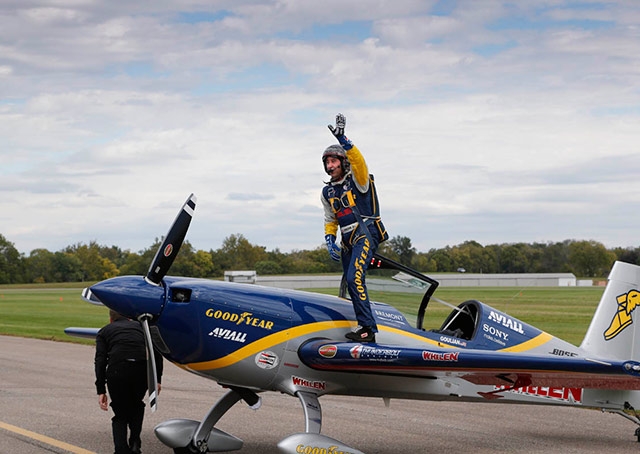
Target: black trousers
127	384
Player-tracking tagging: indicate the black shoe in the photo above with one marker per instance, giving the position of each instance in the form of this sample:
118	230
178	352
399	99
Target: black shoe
364	334
134	445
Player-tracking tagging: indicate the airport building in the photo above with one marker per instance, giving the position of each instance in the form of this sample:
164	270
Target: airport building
390	285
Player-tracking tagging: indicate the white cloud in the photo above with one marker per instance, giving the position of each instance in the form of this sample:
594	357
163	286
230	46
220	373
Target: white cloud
112	113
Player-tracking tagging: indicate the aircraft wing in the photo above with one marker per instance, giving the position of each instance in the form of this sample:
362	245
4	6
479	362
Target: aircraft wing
85	333
480	367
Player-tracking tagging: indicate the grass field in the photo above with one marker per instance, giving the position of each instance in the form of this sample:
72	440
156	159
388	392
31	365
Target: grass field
564	312
45	313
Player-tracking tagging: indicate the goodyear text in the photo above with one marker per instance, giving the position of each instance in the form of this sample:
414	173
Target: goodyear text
246	318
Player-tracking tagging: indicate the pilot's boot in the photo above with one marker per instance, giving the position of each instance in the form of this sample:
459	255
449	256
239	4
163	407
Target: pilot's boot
620	321
364	334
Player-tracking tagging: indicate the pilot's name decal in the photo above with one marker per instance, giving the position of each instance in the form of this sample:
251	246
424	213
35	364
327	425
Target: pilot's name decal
506	321
246	318
303	382
627	302
453	341
437	356
227	334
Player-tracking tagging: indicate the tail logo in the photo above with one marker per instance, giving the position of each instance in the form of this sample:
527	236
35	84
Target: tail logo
627	302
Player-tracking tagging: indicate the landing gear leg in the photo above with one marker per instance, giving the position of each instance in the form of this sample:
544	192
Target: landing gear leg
186	436
312	412
628	406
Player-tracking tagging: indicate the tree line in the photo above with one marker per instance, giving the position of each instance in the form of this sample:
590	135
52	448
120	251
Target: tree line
94	262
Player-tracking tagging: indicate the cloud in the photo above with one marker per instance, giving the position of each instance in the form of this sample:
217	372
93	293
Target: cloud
249	197
494	121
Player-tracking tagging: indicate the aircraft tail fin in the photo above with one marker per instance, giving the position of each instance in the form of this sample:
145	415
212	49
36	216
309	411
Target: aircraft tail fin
615	328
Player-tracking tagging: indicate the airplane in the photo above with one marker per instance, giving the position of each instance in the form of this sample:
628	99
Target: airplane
252	339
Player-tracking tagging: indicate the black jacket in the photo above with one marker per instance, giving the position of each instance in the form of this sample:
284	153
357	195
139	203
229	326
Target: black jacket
119	341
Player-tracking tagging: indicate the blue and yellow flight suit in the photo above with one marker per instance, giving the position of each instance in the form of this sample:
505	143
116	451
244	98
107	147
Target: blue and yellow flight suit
338	197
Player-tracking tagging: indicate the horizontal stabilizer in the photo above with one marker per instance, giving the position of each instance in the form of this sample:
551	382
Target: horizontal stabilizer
84	333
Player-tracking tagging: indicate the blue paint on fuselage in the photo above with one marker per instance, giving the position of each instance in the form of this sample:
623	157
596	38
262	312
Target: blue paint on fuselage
130	296
220	317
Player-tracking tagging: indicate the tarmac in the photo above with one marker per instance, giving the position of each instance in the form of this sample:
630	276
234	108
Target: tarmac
48	404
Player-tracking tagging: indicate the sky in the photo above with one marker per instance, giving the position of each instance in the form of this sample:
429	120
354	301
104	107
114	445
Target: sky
485	120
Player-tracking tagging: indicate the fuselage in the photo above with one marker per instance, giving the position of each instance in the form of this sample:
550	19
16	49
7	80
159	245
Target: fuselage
249	335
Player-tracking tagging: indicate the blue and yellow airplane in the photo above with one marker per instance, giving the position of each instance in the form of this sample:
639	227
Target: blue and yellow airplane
252	339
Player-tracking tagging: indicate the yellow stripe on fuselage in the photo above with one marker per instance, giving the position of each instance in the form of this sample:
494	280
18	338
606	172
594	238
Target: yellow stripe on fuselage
282	336
268	342
414	336
537	341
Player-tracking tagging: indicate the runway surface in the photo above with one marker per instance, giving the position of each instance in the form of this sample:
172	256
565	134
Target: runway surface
47	390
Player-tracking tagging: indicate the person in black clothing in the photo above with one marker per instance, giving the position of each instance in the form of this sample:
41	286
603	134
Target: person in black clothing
121	364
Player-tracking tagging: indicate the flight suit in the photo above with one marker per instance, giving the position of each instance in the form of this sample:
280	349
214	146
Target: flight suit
356	191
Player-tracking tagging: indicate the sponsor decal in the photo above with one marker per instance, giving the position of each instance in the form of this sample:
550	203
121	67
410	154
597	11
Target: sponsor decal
303	382
558	352
495	335
308	449
506	321
365	352
168	250
328	351
246	318
227	334
389	316
266	360
627	303
439	356
453	341
571	395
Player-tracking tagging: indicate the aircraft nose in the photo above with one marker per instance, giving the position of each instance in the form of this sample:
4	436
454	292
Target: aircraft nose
130	296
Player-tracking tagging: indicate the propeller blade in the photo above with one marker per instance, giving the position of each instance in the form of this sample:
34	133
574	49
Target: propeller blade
152	378
169	248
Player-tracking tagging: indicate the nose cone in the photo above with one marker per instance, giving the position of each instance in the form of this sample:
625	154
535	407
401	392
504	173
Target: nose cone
130	296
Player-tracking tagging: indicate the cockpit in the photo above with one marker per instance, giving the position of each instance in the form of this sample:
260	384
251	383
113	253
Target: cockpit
463	320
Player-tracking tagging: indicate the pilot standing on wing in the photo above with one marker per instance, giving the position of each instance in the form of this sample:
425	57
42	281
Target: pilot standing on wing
351	202
121	364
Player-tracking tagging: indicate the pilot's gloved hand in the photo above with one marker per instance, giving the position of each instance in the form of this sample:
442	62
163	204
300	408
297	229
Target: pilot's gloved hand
332	247
338	131
341	123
